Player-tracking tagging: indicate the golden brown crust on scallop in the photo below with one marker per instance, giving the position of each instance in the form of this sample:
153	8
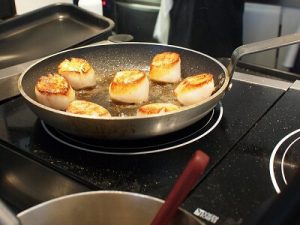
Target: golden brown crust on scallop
165	59
166	68
127	80
83	107
52	84
194	82
156	108
76	65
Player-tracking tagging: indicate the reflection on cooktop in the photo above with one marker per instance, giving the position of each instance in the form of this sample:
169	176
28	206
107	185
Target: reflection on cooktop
142	146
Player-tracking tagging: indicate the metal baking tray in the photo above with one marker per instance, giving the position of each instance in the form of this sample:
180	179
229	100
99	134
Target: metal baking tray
49	30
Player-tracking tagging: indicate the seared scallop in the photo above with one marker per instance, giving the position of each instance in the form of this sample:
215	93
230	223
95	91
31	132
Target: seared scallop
129	86
78	72
166	67
156	108
87	108
54	91
195	89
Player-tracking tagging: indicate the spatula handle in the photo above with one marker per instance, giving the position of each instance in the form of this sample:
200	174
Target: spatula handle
186	182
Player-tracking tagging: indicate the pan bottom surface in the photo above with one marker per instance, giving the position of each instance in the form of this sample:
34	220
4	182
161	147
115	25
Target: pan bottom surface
141	146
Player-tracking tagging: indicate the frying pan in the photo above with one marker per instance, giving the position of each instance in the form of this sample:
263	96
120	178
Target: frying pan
107	59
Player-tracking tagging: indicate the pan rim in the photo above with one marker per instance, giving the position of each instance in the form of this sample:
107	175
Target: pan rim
182	108
99	192
104	192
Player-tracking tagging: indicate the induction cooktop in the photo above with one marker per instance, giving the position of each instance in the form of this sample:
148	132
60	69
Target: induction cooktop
252	137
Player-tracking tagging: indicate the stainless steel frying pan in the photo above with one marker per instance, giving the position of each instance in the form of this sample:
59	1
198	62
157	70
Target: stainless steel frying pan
107	59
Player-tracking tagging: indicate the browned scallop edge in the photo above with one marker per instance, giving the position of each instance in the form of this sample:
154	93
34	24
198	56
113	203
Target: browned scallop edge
74	73
187	86
120	87
165	66
61	71
101	111
64	91
151	109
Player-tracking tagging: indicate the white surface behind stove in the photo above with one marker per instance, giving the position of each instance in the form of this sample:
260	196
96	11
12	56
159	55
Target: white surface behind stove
261	21
264	21
94	6
23	6
290	24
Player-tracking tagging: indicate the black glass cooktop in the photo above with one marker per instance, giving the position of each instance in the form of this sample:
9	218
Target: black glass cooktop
261	165
239	135
151	145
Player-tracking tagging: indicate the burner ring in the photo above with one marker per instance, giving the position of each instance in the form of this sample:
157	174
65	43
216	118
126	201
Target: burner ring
169	143
281	150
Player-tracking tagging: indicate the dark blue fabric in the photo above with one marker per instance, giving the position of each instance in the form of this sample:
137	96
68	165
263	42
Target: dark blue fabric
296	67
211	26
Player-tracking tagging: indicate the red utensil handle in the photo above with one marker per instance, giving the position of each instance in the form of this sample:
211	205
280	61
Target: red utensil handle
187	180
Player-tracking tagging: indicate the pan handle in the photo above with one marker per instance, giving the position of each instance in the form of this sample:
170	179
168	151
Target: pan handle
261	46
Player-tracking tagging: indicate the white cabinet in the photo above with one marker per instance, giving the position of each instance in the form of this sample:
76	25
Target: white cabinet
290	23
261	22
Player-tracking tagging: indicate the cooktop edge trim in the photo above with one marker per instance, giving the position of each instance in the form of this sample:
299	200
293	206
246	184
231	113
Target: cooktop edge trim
263	81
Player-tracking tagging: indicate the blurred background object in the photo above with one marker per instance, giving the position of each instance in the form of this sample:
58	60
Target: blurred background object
94	6
137	17
7	9
24	6
263	21
162	25
296	65
212	27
